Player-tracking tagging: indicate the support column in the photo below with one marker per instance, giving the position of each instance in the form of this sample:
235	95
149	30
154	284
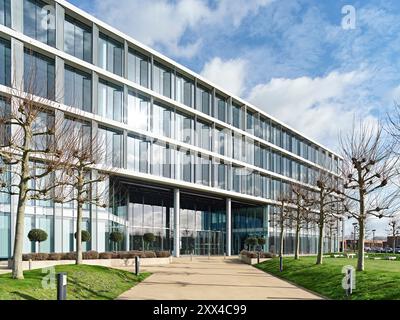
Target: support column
228	227
177	235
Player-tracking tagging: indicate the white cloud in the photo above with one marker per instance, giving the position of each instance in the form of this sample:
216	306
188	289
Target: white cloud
229	75
319	107
164	23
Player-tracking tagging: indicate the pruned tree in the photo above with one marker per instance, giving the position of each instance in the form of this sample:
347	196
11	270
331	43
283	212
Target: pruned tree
76	180
283	216
327	204
28	149
368	169
394	231
302	215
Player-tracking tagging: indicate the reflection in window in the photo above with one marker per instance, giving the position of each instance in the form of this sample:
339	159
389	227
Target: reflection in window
203	131
163	120
184	127
77	39
110	101
111	55
39	75
5	235
184	161
78	89
236	116
39	21
138	68
203	100
161	160
184	91
162	79
221	109
203	165
138	154
5	62
5	13
221	141
112	153
138	111
220	170
251	122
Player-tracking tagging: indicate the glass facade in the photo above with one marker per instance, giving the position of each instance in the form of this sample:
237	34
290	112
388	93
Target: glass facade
110	55
162	80
5	12
5	62
139	111
78	92
110	101
40	21
77	39
39	74
138	68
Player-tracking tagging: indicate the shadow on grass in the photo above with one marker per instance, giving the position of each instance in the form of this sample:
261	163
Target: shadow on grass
23	295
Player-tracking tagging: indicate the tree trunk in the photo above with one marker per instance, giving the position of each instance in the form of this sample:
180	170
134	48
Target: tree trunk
321	228
79	255
281	243
360	262
17	269
394	244
297	244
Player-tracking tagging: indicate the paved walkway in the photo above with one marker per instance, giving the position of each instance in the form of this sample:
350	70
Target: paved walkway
214	279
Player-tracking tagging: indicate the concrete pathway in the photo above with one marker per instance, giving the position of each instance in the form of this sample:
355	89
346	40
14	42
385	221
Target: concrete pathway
214	279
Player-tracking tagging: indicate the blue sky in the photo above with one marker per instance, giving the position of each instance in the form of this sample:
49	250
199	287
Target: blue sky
291	58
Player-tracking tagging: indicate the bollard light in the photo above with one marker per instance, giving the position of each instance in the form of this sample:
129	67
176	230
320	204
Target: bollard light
280	263
62	286
258	257
349	281
137	265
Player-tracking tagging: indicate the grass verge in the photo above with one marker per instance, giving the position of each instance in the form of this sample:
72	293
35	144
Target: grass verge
379	281
84	283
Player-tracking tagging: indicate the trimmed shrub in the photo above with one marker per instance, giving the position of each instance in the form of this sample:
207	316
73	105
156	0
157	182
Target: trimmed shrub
37	235
28	256
90	255
163	254
105	255
261	241
85	236
150	254
254	254
40	256
55	256
116	236
69	256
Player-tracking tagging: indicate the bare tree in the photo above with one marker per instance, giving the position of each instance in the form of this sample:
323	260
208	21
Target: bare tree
76	181
28	150
368	169
302	215
394	231
284	214
327	200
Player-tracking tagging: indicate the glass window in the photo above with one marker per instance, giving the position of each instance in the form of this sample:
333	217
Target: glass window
39	75
236	116
110	55
221	108
39	21
203	100
250	122
46	223
162	80
237	146
203	165
163	121
237	177
184	127
138	68
185	160
5	13
203	131
161	160
112	140
78	91
184	91
77	39
5	235
110	101
5	62
221	173
221	141
138	154
138	111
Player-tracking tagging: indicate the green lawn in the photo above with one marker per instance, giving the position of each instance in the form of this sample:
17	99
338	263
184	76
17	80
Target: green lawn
84	283
380	281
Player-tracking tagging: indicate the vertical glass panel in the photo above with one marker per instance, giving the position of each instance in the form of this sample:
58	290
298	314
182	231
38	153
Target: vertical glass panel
112	140
5	62
203	100
184	127
110	101
5	13
221	141
77	39
39	75
138	68
184	159
39	21
162	80
236	116
110	55
250	122
203	165
78	92
163	123
203	131
5	235
138	111
184	91
221	109
46	224
138	154
161	160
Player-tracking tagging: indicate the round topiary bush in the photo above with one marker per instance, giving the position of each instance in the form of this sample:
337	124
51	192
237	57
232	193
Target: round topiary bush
261	241
116	236
37	235
149	238
85	235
